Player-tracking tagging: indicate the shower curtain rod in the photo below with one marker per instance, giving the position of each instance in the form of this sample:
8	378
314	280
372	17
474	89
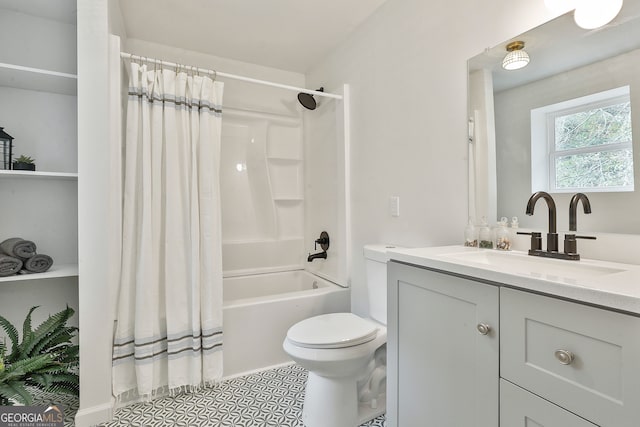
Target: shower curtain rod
229	76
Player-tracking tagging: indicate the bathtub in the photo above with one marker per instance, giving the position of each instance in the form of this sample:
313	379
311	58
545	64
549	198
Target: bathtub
259	309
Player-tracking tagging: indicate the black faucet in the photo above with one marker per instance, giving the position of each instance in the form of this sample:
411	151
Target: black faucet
570	244
323	241
322	255
552	235
573	207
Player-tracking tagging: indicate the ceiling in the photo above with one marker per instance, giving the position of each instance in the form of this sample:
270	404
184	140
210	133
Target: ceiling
291	35
561	45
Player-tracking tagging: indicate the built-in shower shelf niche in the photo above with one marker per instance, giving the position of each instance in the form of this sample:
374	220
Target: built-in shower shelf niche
289	199
286	180
284	142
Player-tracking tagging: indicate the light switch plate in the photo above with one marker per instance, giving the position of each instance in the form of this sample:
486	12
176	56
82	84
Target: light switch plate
394	206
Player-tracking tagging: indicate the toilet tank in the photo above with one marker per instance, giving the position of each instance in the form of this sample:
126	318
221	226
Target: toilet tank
376	268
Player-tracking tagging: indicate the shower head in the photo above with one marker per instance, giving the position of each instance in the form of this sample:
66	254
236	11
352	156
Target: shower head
307	100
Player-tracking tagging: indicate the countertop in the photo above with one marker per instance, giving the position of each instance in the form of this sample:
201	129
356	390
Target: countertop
606	284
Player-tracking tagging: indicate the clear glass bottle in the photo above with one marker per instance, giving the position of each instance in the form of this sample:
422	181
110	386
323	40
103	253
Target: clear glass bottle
485	240
471	234
503	238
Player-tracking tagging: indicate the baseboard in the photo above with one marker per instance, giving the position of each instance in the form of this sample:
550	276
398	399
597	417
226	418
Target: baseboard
255	371
93	415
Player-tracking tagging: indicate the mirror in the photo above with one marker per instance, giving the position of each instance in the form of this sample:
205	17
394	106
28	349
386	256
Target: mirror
567	62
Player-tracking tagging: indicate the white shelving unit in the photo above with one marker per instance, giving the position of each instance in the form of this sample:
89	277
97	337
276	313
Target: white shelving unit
30	78
63	270
39	175
38	108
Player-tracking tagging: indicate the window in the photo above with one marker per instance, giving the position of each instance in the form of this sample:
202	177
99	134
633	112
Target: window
583	144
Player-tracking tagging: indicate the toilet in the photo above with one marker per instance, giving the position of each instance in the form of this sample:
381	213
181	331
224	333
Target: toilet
345	355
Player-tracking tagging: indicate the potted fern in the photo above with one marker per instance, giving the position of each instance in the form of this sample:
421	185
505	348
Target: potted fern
24	163
45	359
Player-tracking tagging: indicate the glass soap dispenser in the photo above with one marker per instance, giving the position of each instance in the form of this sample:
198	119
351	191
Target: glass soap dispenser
503	238
484	235
471	234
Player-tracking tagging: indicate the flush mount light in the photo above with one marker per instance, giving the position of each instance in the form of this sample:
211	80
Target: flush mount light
516	58
590	14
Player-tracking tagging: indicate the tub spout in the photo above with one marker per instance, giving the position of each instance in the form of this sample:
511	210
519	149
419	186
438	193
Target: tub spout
322	255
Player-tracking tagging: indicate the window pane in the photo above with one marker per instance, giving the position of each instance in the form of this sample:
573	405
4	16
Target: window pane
595	170
599	126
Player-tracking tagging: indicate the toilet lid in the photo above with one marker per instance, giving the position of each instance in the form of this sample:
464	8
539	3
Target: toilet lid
335	330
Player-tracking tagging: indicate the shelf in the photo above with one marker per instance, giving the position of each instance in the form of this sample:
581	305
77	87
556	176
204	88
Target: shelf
64	176
38	79
62	270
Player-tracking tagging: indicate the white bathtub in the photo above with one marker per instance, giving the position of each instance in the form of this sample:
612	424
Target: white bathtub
259	309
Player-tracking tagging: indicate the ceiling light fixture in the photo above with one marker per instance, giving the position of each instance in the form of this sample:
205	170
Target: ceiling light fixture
516	58
590	14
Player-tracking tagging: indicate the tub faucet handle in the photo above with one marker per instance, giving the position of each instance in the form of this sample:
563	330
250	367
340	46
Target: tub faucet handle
323	241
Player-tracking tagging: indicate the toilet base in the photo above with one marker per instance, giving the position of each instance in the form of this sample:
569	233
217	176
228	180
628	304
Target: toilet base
330	402
367	413
334	402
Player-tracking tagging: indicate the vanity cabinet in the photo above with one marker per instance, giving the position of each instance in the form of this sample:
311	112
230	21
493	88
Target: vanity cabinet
442	350
582	358
519	408
543	361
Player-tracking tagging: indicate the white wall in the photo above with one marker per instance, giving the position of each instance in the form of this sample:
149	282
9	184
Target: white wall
406	66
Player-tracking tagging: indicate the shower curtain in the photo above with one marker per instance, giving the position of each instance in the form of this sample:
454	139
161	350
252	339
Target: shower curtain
168	334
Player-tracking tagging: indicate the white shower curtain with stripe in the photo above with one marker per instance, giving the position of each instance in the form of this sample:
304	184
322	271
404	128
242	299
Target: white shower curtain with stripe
169	319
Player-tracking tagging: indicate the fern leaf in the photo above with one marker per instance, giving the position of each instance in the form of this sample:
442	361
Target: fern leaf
49	326
11	331
65	387
17	391
54	339
26	326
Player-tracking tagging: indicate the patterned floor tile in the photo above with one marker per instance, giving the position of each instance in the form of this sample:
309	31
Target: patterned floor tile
69	403
270	398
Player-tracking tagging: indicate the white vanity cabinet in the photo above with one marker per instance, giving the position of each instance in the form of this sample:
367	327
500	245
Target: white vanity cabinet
519	408
442	350
544	361
582	358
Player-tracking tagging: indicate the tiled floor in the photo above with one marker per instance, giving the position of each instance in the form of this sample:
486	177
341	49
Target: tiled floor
269	398
69	404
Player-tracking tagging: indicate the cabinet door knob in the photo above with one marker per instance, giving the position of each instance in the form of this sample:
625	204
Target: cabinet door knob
483	328
565	357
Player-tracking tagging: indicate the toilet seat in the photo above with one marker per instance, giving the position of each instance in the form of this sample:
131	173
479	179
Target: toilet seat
335	330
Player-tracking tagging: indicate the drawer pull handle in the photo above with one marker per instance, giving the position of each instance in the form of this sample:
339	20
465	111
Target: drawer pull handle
565	357
483	328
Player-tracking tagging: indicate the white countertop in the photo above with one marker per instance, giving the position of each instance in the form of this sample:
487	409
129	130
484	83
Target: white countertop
607	284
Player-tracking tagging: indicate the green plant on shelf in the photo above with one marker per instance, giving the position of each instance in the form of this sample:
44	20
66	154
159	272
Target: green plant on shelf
24	159
45	360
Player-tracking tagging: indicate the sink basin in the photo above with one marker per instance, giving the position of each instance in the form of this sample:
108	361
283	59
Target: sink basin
523	264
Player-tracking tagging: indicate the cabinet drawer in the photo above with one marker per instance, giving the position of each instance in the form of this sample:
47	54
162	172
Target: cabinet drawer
585	359
519	408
